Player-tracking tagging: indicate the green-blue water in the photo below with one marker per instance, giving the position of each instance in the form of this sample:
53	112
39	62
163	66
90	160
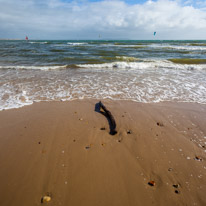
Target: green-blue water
47	53
144	71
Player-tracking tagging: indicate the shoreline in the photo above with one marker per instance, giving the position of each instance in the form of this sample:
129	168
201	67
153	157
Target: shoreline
64	150
106	100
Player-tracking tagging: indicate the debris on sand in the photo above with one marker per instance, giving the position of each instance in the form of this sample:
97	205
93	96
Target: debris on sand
108	115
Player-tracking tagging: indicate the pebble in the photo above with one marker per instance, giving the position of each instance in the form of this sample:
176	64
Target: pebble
45	199
160	124
198	158
176	185
151	183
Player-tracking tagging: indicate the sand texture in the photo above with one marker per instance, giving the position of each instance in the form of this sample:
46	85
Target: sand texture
63	151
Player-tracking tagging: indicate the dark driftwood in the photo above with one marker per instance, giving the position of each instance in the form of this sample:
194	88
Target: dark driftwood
108	115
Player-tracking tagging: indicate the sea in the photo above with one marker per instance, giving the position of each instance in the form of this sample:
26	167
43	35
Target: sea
66	70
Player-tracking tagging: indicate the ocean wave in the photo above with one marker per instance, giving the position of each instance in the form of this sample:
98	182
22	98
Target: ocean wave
76	43
37	42
144	64
197	44
177	47
43	68
188	61
120	63
121	58
131	46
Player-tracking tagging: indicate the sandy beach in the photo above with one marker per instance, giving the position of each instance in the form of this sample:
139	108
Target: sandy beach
63	150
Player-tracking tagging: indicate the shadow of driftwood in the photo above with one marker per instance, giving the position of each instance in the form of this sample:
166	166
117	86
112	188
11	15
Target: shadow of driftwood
108	115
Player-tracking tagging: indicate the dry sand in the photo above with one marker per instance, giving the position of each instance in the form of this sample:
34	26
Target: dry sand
43	152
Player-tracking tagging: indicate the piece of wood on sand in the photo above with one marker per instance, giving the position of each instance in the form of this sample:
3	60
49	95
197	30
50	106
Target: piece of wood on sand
108	115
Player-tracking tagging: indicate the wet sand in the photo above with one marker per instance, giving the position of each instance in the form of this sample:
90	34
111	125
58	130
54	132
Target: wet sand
64	150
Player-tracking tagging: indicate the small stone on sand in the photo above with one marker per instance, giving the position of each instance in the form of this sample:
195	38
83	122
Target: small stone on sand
151	183
160	124
198	158
102	128
176	185
45	199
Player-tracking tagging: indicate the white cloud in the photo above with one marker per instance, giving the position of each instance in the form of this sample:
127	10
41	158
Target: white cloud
113	19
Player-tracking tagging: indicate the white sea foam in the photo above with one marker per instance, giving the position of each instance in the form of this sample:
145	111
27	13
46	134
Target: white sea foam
178	47
129	63
146	64
76	43
144	81
37	42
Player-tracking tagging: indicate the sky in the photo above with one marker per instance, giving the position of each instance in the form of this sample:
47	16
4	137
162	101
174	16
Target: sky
103	19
